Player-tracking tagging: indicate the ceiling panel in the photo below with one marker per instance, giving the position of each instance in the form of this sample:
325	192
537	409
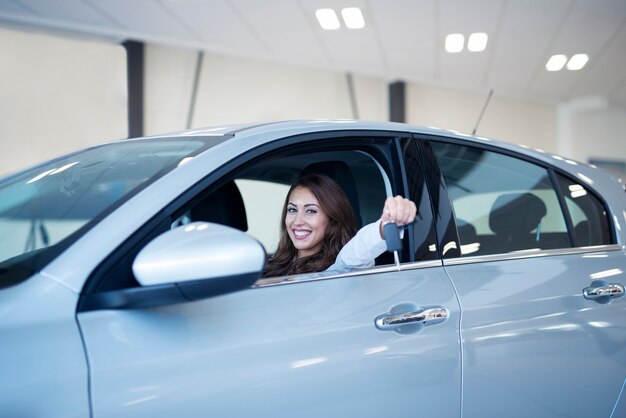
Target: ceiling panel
519	49
145	17
356	50
285	30
407	29
215	22
587	29
606	70
466	17
403	39
72	11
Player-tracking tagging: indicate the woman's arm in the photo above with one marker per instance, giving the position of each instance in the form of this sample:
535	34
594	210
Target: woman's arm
362	250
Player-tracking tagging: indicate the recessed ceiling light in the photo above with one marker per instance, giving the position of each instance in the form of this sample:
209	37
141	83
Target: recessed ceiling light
477	42
455	42
577	62
353	18
556	62
327	19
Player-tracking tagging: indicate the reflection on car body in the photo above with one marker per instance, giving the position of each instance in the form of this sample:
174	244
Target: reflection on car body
130	280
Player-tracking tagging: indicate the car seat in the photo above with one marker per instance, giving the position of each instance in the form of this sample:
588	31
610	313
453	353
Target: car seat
513	217
223	206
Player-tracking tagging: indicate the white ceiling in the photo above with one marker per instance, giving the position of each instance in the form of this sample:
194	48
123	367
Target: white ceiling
403	39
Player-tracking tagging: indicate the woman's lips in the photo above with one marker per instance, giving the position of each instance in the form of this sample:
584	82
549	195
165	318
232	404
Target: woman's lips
299	234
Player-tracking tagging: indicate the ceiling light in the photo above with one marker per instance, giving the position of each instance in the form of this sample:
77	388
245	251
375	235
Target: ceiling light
477	42
455	42
556	62
327	19
353	18
577	62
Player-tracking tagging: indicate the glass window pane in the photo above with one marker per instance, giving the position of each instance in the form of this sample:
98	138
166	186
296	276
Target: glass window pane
501	203
589	217
42	206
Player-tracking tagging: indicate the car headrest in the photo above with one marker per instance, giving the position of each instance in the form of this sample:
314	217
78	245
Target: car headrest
516	213
223	206
341	173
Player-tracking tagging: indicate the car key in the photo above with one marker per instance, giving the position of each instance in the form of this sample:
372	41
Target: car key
392	237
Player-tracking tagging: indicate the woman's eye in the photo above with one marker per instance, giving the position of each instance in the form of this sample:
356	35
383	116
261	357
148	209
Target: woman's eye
291	210
313	211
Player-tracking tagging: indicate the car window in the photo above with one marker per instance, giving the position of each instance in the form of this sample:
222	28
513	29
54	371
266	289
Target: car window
501	203
263	201
252	198
42	207
589	216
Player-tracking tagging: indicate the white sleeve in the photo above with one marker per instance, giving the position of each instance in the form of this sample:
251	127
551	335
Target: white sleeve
361	251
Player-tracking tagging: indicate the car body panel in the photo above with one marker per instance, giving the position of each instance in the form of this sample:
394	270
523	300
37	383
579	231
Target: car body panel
307	348
530	337
44	367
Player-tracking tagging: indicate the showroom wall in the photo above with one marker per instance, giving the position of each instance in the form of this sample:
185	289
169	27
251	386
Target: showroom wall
235	90
592	129
518	121
59	94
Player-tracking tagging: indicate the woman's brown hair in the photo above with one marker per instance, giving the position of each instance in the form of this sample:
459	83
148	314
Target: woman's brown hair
340	229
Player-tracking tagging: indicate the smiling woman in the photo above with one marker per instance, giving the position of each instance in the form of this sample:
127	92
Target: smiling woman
317	231
317	222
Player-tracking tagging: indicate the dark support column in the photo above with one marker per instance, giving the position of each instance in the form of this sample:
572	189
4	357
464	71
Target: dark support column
352	93
397	102
135	76
194	89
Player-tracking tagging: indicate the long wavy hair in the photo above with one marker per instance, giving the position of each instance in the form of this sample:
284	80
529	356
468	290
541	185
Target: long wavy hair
342	226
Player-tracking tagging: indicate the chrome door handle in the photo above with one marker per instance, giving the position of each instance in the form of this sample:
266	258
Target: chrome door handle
428	316
603	292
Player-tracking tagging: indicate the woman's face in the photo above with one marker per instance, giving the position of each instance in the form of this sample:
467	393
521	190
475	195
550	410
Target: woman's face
305	222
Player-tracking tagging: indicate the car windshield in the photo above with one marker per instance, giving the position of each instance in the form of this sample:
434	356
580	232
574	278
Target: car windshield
46	208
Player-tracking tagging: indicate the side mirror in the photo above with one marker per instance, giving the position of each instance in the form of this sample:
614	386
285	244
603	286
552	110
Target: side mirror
192	262
198	251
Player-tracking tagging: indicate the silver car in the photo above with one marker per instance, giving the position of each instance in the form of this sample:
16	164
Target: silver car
130	281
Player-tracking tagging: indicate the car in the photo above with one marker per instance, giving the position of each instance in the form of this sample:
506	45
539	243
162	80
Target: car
131	280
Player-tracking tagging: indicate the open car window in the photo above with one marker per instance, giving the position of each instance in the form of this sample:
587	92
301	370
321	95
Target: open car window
252	198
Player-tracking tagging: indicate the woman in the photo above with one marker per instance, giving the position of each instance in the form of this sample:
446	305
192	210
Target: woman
318	228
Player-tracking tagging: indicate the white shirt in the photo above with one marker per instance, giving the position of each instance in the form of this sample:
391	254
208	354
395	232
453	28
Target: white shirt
361	251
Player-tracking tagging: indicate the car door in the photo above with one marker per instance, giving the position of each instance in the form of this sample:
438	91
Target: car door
535	343
307	345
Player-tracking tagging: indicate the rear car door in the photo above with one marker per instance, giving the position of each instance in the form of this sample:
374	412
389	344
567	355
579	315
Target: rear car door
534	242
307	345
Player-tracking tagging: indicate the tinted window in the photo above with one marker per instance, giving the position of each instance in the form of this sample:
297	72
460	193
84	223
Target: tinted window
589	217
501	203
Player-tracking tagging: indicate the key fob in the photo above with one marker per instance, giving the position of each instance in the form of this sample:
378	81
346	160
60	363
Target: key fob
392	237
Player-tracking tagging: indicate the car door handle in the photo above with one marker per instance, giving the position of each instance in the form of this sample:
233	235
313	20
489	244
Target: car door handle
429	316
603	292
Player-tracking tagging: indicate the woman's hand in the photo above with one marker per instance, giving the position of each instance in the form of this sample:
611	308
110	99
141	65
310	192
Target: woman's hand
399	210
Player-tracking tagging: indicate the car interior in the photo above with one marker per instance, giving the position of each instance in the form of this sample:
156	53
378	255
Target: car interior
251	199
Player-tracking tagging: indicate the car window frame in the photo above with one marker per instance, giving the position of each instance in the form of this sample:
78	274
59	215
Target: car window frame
381	145
436	180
